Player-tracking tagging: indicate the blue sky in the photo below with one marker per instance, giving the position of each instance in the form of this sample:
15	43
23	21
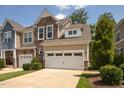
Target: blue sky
26	15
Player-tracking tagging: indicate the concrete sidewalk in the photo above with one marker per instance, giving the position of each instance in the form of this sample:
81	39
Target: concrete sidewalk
6	70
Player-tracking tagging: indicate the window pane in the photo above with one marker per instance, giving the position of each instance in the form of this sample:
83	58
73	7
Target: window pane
77	54
50	54
9	34
5	40
70	32
40	30
29	39
25	35
9	39
41	35
50	35
49	28
30	34
58	54
25	40
68	54
75	32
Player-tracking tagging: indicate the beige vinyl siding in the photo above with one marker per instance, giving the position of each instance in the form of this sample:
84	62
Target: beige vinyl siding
17	40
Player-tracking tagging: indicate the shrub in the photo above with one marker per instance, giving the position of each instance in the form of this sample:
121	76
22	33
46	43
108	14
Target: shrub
36	66
118	60
111	75
92	68
27	66
122	67
35	60
2	63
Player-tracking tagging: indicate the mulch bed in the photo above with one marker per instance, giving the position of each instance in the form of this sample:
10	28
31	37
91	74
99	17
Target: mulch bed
97	82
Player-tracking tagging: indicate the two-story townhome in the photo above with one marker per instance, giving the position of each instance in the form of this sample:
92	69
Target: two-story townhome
119	37
58	43
61	43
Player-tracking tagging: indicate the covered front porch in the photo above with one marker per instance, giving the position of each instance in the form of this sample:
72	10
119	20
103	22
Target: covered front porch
9	56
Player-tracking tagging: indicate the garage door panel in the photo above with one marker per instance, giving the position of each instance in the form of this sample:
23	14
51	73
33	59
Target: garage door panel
67	60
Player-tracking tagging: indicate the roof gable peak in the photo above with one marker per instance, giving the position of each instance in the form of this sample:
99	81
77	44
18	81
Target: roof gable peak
45	13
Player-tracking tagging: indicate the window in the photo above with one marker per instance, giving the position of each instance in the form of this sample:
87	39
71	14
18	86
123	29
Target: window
68	54
58	54
40	33
75	32
118	36
49	32
50	54
70	32
7	37
27	37
77	54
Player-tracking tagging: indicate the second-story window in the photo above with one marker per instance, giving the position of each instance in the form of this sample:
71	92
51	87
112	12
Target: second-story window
41	33
49	34
7	37
27	37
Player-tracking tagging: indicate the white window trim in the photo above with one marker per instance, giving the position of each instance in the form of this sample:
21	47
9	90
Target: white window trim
72	32
47	32
24	38
43	33
7	36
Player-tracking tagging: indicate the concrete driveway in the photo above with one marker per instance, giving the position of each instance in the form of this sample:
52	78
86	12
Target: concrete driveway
46	78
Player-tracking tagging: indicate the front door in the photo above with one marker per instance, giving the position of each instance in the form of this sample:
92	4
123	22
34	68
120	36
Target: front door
9	57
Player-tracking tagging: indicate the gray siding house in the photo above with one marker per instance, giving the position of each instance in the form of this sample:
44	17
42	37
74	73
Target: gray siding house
8	41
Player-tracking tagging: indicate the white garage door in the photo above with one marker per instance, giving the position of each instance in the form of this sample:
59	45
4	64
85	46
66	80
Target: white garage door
25	58
64	59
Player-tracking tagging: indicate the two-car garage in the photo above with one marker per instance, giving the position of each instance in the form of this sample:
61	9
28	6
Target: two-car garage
64	59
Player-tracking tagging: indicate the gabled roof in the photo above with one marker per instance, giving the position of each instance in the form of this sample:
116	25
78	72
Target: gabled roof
29	28
63	21
16	26
81	26
44	13
119	23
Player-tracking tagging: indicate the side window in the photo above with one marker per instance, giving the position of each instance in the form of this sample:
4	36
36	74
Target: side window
27	37
40	33
7	37
49	33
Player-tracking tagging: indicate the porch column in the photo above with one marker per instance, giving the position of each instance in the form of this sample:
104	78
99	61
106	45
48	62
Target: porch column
15	59
34	52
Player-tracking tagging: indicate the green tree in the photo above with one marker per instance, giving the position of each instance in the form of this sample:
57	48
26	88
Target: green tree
79	16
103	44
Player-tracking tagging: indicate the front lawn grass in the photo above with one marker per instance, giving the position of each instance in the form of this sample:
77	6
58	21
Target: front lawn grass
84	82
9	75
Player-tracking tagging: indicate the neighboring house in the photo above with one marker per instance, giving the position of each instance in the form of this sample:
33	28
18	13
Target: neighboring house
9	41
58	43
0	39
119	40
